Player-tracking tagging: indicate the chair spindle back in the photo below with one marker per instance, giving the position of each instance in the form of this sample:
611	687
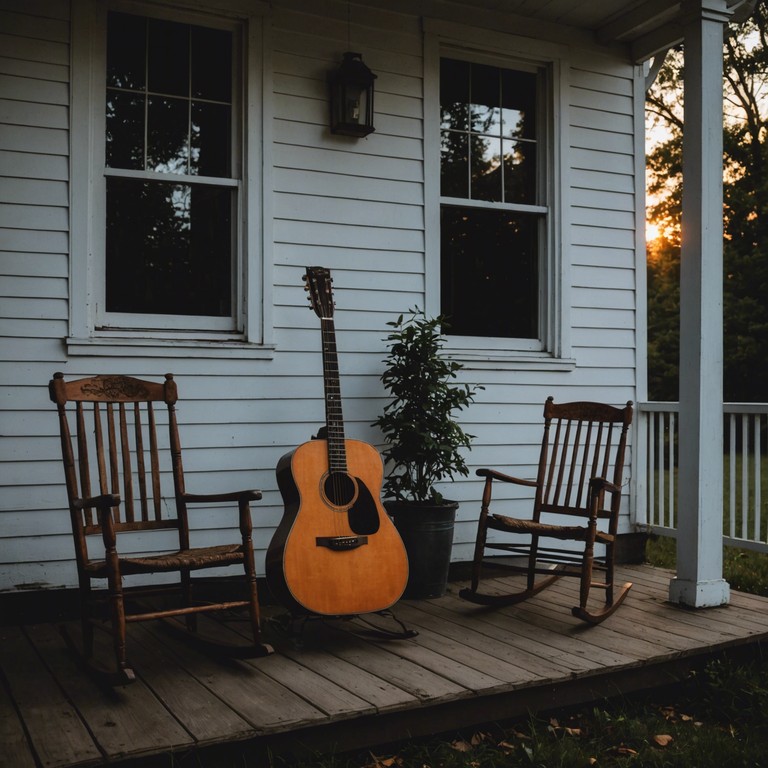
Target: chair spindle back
110	444
581	440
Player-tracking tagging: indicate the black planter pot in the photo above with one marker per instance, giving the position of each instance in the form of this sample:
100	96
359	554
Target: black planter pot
427	533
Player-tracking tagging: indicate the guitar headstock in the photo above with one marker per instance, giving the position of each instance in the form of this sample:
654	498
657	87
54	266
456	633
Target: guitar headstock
319	286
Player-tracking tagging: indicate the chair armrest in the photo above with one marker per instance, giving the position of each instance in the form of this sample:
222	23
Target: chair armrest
600	484
105	501
496	475
239	496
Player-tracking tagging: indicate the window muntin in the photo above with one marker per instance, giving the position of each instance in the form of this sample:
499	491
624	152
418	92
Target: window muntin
492	211
171	179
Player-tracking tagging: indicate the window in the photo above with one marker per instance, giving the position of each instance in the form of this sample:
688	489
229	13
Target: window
166	240
493	209
170	189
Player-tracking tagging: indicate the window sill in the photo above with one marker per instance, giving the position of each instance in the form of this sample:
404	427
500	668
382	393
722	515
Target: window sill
493	359
116	346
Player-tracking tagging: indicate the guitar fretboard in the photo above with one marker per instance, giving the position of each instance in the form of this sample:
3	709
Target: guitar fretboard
334	421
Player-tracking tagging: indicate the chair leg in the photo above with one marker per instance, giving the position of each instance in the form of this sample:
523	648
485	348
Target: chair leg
261	648
482	535
612	602
186	592
123	673
86	625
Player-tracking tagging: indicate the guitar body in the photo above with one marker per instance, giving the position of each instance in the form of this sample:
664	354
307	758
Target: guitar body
335	552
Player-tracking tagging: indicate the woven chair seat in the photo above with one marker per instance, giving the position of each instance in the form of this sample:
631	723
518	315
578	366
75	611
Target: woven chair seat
202	557
513	525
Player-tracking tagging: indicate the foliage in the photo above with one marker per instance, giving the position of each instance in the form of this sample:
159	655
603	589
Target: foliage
424	440
745	144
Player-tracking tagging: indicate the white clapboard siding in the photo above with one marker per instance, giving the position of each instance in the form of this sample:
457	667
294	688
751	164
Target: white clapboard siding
355	206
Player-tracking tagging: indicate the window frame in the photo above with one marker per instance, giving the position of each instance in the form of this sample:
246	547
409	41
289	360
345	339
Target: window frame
91	329
447	40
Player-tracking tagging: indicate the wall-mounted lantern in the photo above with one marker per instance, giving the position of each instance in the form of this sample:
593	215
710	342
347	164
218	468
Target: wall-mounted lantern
352	97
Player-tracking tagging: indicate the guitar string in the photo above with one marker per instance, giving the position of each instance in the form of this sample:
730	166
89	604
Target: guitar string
335	436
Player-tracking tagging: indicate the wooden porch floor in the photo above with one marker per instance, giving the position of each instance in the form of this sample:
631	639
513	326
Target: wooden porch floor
335	689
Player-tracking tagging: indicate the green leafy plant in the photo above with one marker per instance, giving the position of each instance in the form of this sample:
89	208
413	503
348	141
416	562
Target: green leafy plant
424	441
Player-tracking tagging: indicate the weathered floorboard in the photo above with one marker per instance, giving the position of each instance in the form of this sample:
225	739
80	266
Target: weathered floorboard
332	686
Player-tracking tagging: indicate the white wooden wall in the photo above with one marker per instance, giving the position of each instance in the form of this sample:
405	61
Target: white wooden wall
356	207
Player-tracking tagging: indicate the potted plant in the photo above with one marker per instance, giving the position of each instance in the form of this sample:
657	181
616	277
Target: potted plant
423	446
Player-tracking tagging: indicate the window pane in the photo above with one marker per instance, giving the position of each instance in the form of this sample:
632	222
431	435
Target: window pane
125	130
169	248
126	51
211	64
454	94
486	168
211	139
454	164
167	135
519	104
520	172
489	272
485	110
168	57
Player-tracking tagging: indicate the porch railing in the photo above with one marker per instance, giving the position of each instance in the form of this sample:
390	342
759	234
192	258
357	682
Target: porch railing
745	471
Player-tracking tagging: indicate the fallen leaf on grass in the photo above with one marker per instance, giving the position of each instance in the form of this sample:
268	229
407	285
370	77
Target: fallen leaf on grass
461	746
622	750
384	762
663	739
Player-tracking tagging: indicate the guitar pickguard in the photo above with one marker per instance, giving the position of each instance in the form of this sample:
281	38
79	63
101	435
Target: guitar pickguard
363	514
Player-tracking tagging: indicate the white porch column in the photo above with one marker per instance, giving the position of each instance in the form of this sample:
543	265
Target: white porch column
699	582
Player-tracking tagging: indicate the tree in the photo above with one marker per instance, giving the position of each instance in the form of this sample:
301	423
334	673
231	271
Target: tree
745	188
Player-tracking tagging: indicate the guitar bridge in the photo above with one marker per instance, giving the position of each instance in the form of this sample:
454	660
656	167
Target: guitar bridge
341	543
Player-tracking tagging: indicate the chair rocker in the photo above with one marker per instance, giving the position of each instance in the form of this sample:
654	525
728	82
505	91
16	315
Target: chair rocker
108	427
579	477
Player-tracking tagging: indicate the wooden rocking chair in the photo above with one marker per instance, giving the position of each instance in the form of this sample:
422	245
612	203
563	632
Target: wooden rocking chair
108	428
579	476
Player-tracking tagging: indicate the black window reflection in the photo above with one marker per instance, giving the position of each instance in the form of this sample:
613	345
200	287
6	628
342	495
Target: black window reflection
168	248
211	64
126	51
125	131
168	57
490	271
167	135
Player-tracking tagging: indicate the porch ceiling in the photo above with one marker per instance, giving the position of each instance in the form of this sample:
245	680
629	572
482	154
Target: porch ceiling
646	26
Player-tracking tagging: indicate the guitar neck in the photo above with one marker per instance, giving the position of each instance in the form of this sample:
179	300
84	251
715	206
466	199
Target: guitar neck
334	420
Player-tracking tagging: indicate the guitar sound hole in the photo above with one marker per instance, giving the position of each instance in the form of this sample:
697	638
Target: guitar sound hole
340	489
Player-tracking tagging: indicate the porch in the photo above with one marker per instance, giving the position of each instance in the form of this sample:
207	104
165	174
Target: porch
336	689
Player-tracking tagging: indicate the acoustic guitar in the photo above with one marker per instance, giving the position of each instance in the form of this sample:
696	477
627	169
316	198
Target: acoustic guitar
335	551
